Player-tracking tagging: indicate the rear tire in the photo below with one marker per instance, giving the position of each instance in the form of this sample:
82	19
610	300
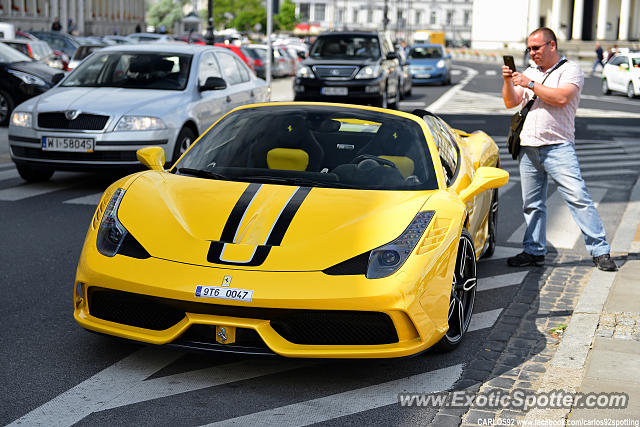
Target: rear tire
6	107
183	142
34	174
463	294
605	87
630	92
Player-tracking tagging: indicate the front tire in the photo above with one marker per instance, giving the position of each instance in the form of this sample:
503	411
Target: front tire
183	142
605	87
396	99
630	92
383	101
6	107
463	294
33	174
493	225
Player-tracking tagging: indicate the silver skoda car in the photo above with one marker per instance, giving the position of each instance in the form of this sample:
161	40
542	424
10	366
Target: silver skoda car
123	98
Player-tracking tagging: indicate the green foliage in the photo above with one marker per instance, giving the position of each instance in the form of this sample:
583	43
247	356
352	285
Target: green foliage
286	20
165	12
243	15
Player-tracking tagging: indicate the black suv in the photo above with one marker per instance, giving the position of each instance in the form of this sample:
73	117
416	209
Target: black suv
353	67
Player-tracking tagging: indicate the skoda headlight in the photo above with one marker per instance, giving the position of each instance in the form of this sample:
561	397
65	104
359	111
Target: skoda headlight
127	123
441	64
29	79
305	72
368	72
111	233
21	118
387	259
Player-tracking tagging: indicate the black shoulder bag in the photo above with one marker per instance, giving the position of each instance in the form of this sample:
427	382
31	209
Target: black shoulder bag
517	121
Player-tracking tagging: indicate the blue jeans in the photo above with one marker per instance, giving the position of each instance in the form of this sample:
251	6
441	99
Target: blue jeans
561	162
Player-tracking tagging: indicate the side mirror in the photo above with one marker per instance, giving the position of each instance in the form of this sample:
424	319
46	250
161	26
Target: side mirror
213	83
485	179
151	157
392	55
301	54
56	78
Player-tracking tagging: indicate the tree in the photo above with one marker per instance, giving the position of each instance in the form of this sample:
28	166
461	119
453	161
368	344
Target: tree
286	19
239	14
165	13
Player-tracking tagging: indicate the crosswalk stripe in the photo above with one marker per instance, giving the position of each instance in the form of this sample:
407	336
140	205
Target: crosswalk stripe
349	402
501	280
91	200
502	252
25	191
613	172
9	174
491	73
412	104
562	231
484	320
7	165
613	128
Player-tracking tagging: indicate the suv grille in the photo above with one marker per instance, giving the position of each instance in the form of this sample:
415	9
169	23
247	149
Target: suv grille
311	327
82	122
335	72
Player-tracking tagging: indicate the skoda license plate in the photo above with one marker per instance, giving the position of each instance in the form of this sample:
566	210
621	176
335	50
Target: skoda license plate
63	143
334	91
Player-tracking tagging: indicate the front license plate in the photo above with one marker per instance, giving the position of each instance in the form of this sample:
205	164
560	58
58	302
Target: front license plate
334	91
55	143
224	293
423	76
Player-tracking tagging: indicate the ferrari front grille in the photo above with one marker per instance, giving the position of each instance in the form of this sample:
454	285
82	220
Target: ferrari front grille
82	122
308	327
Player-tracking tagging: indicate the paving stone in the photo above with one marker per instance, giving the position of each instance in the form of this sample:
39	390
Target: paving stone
529	376
468	385
495	345
454	411
606	333
474	374
511	360
500	335
506	383
446	420
478	417
523	385
511	414
489	355
541	359
506	371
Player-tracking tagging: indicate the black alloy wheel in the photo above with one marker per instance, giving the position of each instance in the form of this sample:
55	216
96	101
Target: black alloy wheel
493	225
6	106
605	87
183	142
463	294
34	174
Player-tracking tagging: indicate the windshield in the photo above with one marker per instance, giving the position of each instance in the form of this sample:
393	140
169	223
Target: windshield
425	52
9	55
132	70
334	147
345	47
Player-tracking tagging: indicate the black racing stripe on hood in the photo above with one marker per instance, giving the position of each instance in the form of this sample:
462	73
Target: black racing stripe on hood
235	217
283	222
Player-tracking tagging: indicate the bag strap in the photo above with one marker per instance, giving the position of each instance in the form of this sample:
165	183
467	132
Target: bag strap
529	104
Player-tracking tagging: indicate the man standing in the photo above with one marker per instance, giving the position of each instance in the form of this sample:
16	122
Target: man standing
547	148
56	26
599	58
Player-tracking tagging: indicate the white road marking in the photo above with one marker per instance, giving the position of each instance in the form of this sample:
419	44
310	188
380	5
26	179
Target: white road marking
436	106
92	394
611	172
609	99
412	104
491	73
91	199
456	72
562	231
501	281
9	174
507	186
25	191
502	252
203	378
349	402
484	320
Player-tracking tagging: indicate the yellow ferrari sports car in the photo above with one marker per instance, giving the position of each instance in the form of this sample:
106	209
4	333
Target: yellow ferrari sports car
297	229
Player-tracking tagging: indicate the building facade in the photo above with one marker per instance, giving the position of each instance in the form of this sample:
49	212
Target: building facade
454	17
84	17
507	23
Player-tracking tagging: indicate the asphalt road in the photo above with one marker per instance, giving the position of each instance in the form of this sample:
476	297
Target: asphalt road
55	373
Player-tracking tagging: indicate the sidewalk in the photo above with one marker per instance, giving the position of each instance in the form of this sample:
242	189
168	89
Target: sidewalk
600	350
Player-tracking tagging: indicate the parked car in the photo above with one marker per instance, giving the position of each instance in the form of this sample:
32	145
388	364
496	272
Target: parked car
281	64
430	63
114	39
58	54
58	41
622	74
20	79
37	50
406	80
252	54
123	98
358	67
150	37
82	52
236	49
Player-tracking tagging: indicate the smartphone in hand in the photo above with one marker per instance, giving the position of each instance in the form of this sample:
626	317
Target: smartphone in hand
509	62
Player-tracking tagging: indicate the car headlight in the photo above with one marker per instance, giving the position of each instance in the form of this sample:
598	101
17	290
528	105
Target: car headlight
387	259
127	123
368	72
29	79
111	233
441	64
21	118
305	72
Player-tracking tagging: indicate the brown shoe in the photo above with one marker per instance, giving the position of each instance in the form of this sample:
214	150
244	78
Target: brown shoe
605	263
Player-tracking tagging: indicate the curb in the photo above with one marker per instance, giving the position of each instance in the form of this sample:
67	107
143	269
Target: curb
568	365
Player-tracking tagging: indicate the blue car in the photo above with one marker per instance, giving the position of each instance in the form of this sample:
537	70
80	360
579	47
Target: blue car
430	63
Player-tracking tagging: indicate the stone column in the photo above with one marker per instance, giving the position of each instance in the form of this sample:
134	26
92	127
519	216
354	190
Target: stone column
625	17
556	12
33	7
601	31
534	15
578	16
22	4
53	12
81	17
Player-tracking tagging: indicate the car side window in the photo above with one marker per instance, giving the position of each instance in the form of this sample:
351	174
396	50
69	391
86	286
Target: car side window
243	72
447	146
617	60
229	68
208	68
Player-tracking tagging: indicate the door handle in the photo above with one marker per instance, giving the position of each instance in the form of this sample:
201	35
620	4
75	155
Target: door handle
228	98
252	94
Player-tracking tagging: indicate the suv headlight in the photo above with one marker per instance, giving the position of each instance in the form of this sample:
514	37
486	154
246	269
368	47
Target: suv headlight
368	72
127	123
387	259
21	118
111	233
304	72
29	79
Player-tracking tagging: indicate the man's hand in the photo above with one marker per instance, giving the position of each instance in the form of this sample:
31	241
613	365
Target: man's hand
506	72
511	95
520	79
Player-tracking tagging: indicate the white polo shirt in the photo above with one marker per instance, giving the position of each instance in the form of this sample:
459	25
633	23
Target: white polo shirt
547	124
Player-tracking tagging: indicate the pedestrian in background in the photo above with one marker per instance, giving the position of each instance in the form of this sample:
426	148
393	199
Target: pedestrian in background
56	26
599	58
547	149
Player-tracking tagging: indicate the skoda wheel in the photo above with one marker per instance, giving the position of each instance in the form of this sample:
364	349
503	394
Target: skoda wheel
32	174
605	87
463	294
183	142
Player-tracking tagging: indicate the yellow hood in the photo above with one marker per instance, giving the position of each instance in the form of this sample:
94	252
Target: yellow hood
228	224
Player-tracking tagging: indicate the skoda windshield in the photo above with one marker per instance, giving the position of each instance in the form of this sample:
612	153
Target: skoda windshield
341	46
319	146
133	70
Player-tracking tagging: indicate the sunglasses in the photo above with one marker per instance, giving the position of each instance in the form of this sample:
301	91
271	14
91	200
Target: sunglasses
537	48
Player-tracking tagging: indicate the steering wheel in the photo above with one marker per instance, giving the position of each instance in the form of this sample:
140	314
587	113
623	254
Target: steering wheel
379	160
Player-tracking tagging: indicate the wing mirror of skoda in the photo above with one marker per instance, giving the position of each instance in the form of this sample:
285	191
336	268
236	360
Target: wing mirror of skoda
213	83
